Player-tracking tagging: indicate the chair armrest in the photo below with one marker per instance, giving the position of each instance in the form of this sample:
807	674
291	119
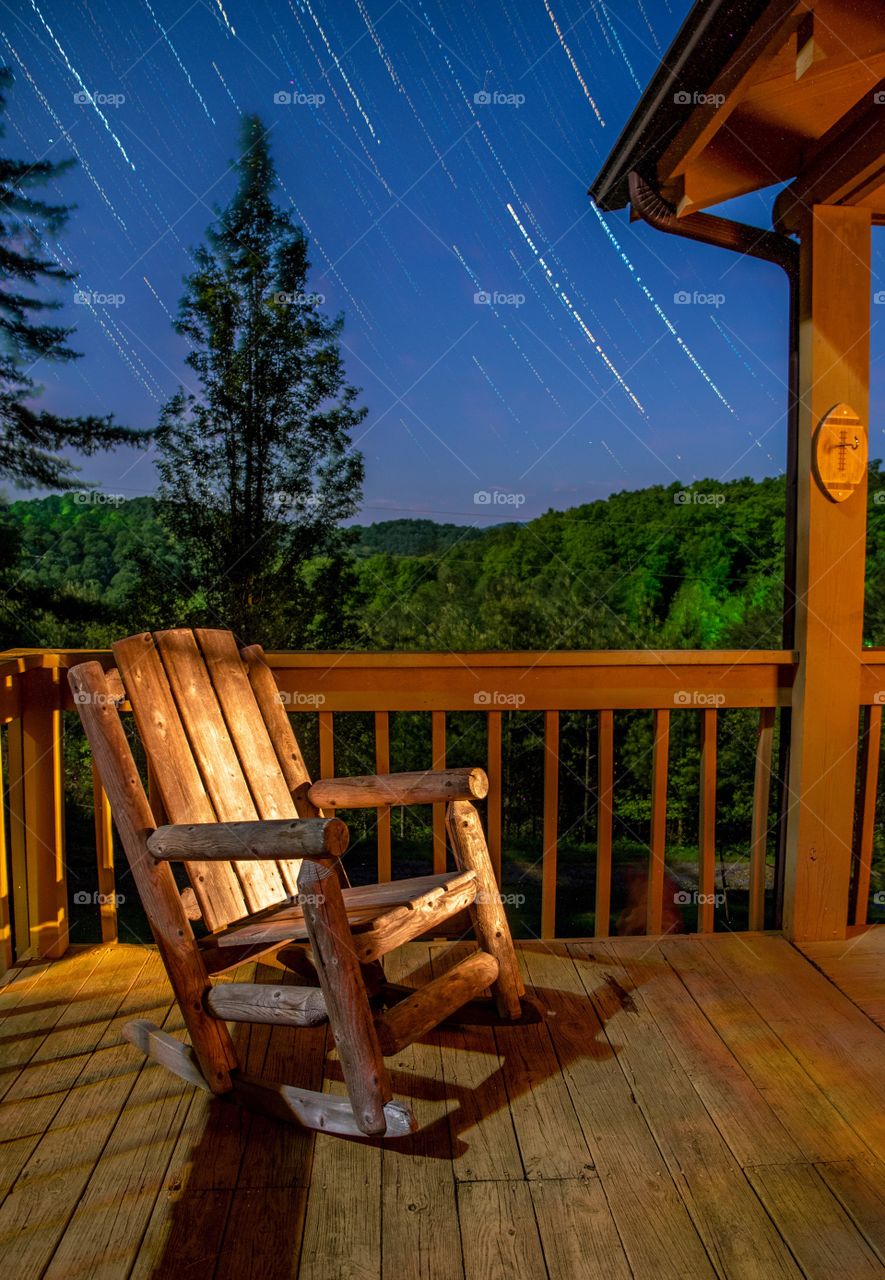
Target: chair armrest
250	841
429	787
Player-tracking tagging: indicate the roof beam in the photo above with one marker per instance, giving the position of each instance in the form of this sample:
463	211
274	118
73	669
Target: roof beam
845	166
764	41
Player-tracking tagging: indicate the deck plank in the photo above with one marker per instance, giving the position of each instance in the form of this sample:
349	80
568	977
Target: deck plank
810	1117
35	1213
818	1230
738	1234
499	1234
102	1236
578	1233
419	1215
715	1101
859	1186
857	967
202	1174
551	1141
39	1007
40	1087
484	1145
741	1111
644	1199
839	1048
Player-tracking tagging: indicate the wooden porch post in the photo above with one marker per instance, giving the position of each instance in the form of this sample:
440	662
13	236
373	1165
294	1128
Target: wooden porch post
834	360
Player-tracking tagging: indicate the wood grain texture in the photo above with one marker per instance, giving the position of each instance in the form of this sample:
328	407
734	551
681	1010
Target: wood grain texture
759	827
155	883
382	766
551	824
658	837
865	821
834	366
499	1234
347	1004
707	822
424	787
817	1229
363	902
616	1098
210	741
487	910
419	1013
249	734
259	1002
605	751
180	785
420	914
259	840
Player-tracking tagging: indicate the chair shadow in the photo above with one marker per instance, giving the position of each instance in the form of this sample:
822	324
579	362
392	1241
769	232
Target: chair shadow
246	1172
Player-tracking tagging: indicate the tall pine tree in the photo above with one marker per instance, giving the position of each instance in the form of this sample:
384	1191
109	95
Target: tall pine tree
258	468
30	438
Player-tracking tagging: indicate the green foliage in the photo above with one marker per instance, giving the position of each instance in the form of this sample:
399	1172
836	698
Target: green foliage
258	469
637	570
412	538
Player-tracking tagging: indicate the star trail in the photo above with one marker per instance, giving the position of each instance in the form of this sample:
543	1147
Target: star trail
437	154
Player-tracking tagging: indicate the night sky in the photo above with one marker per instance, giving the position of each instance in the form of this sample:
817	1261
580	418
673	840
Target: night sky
433	150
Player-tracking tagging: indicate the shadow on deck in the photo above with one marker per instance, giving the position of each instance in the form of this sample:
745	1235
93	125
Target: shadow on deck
687	1108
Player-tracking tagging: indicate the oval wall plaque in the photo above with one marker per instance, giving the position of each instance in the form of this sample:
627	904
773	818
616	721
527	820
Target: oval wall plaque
840	452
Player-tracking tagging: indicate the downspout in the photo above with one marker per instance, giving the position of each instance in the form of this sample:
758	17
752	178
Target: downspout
770	246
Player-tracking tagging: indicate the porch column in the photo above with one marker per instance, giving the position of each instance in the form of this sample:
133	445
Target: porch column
834	361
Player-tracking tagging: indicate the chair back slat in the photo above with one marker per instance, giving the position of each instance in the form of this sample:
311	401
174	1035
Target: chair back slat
250	736
216	756
174	767
279	726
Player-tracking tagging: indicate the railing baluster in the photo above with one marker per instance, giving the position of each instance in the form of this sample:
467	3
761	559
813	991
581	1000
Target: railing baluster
438	750
707	823
658	835
605	761
759	830
44	812
866	802
18	853
104	848
382	765
5	913
327	744
551	823
493	803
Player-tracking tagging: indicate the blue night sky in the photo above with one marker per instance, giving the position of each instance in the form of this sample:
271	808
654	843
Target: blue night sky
583	378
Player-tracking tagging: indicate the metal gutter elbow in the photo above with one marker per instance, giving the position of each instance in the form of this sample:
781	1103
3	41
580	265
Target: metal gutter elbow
770	246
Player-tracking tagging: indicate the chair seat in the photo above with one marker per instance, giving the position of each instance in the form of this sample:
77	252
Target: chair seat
366	905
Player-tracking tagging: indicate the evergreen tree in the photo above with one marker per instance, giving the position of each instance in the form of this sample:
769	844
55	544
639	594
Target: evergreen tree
258	469
29	437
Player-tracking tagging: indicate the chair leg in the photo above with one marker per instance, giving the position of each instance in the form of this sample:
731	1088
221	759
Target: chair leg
341	979
487	911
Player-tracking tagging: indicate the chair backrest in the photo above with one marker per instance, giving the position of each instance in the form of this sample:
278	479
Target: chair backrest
220	747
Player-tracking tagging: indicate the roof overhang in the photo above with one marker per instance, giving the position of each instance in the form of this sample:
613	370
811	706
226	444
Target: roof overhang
754	93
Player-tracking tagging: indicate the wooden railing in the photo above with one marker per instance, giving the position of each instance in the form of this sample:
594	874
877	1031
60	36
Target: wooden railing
34	693
872	699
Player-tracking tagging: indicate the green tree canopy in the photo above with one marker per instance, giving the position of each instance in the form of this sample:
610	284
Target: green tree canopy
257	464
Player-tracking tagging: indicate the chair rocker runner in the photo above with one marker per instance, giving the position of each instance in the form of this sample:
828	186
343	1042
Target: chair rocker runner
265	870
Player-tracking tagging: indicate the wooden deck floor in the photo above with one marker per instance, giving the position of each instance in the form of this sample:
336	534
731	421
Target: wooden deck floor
688	1109
857	967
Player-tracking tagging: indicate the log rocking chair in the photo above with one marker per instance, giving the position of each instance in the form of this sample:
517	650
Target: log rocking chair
265	870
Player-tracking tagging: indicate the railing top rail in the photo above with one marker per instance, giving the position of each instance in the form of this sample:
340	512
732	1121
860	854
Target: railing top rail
12	660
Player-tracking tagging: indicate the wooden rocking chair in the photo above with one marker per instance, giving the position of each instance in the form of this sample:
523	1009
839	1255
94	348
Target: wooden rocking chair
265	869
